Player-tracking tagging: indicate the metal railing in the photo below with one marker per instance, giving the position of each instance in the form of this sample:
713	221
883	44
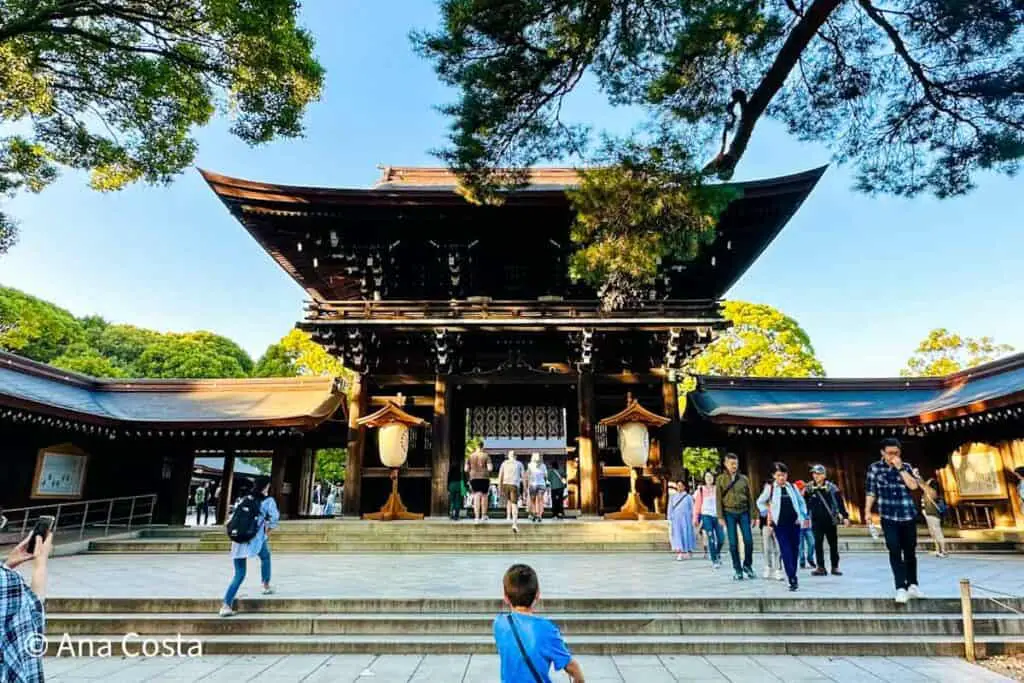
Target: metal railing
124	513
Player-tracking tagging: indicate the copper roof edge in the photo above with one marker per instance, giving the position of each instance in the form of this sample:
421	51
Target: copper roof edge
999	366
224	185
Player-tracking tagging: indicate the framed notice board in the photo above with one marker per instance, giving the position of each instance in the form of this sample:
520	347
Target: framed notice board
60	472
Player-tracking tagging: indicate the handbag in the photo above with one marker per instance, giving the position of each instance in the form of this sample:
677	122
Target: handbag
522	649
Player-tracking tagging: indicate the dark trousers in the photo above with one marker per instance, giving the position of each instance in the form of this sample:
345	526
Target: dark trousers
826	530
741	521
557	502
901	540
788	537
454	507
204	510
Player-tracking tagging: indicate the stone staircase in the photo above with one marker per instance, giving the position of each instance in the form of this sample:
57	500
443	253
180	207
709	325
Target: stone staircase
794	626
344	536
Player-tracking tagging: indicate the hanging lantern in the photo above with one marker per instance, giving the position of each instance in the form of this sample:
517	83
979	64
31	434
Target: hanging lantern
392	425
634	425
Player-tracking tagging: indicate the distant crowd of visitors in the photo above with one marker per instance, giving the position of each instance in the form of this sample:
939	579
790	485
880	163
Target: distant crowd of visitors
536	484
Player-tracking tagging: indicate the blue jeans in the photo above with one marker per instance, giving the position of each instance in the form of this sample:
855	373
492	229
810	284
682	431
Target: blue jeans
714	535
788	536
806	554
240	566
741	520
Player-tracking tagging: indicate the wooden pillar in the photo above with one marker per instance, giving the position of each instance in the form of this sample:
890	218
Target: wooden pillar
181	477
671	434
226	479
589	501
1015	518
441	447
278	466
307	470
358	401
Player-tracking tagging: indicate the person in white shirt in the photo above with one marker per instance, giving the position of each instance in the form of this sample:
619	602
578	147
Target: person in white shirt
537	480
510	479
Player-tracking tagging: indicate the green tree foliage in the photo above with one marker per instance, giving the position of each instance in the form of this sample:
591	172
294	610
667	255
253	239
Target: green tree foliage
919	95
83	358
330	464
193	355
631	215
762	342
943	352
36	329
117	88
296	354
699	460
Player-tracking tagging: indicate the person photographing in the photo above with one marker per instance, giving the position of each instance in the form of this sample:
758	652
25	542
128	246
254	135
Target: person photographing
828	512
21	608
890	483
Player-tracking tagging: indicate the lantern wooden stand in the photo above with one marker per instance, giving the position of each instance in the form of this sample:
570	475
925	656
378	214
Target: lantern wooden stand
634	445
393	424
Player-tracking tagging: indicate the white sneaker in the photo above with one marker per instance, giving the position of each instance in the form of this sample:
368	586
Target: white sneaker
515	528
901	596
225	611
780	575
915	592
268	590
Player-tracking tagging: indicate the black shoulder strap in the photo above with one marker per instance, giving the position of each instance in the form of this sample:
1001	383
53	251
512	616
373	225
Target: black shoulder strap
522	649
731	484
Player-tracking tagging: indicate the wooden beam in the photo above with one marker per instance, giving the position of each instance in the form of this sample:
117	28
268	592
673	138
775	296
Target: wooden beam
589	500
181	478
671	434
358	400
441	453
278	464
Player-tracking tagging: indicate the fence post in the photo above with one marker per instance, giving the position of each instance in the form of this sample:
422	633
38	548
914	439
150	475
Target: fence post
968	616
56	519
85	517
24	523
131	514
110	513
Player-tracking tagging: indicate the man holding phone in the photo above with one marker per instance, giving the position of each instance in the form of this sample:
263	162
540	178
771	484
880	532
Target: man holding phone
890	482
22	610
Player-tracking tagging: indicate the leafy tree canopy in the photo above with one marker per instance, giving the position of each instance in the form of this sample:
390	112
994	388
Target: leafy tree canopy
918	95
297	354
762	342
943	352
194	355
83	358
330	465
117	88
35	328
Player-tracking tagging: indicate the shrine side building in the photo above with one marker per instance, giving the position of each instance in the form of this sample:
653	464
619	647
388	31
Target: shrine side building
466	315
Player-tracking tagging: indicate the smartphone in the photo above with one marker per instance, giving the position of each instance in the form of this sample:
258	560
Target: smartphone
43	527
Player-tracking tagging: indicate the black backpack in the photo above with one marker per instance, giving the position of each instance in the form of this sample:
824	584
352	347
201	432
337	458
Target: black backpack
245	520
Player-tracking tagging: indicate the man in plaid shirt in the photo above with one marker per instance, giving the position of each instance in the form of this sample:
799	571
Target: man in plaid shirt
890	482
21	609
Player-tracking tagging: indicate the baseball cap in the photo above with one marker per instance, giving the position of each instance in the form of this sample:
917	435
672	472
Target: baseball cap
818	469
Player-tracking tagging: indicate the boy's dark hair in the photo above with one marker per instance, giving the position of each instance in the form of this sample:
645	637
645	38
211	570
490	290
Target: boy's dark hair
521	585
891	442
1019	470
731	456
780	467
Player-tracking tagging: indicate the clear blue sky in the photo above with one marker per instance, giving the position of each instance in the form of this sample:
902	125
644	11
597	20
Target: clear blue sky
867	277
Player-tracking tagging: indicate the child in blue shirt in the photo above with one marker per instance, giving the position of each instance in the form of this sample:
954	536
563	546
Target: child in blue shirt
529	645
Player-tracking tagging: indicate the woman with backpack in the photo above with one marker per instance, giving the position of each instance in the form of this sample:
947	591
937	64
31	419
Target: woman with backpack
932	507
249	530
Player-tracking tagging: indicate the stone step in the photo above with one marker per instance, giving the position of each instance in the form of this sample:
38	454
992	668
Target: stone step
582	623
77	606
820	645
508	542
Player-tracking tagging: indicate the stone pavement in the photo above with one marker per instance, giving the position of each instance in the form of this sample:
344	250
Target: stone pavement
484	669
478	575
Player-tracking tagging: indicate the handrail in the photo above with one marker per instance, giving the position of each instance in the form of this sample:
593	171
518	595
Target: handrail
105	513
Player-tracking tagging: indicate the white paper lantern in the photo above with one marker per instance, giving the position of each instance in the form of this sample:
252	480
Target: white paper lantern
634	443
393	444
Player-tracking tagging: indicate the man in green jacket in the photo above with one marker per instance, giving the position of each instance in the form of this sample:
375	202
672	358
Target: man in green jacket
737	508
